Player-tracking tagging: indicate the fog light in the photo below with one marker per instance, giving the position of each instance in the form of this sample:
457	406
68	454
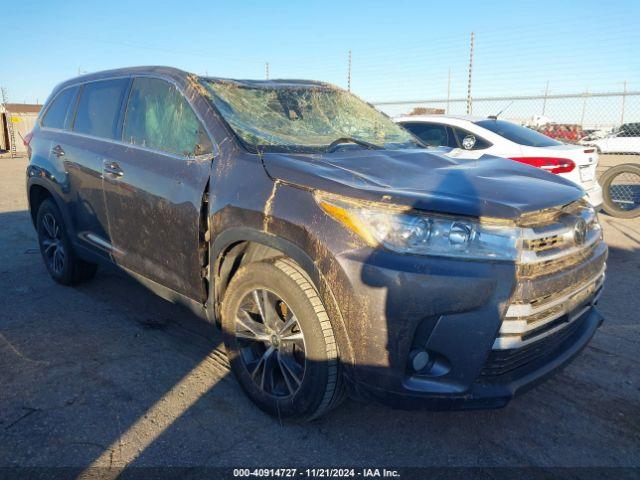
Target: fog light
418	359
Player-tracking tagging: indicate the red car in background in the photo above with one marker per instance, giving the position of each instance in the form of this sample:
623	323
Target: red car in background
563	132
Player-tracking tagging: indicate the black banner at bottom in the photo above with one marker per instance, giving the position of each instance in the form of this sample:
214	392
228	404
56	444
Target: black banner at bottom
223	473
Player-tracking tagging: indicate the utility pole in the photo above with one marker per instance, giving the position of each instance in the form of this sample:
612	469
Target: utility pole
349	73
544	103
624	97
448	91
266	70
469	101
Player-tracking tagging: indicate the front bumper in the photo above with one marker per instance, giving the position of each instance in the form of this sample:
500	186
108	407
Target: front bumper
492	392
453	309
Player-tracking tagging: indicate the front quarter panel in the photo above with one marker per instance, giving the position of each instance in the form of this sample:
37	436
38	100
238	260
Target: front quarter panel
379	298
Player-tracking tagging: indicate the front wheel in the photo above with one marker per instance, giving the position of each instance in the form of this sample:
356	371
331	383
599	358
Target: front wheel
279	340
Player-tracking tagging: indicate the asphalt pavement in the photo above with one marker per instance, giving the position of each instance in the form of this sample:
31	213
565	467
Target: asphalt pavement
107	374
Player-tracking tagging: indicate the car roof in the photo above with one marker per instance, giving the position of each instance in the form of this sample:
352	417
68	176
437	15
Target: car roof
181	75
438	118
122	72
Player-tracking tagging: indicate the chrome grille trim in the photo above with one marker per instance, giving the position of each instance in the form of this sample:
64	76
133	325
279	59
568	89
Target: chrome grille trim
548	267
508	343
532	256
556	240
545	243
557	246
533	308
517	327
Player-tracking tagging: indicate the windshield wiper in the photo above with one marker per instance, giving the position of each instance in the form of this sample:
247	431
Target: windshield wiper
338	141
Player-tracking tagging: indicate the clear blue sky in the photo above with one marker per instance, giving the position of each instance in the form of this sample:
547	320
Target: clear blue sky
401	49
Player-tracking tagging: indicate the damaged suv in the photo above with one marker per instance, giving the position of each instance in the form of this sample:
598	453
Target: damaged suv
336	253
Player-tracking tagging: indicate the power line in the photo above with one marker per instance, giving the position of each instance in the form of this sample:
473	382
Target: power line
634	93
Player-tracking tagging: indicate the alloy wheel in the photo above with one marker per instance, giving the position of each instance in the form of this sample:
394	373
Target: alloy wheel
271	343
52	246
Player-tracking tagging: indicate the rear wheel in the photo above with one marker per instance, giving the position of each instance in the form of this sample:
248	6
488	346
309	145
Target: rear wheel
61	261
280	341
621	191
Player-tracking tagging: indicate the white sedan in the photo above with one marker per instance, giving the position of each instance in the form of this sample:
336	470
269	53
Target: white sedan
506	139
625	140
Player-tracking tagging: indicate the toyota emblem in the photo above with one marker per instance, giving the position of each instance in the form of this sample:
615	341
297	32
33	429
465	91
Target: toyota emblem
580	232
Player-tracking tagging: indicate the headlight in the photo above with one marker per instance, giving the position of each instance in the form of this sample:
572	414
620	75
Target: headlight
403	230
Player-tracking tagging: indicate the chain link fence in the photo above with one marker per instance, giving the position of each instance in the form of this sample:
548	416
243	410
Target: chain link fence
608	120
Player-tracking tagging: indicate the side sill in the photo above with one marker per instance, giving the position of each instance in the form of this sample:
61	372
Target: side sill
168	294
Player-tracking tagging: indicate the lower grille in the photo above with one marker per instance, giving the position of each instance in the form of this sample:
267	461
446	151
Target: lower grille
501	362
526	322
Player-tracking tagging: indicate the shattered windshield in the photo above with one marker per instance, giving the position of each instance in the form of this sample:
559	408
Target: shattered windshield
303	117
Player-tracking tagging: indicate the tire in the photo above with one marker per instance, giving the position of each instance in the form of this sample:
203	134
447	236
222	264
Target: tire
256	288
61	261
630	170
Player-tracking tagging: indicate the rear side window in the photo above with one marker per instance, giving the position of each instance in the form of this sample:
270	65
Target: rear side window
518	134
60	113
469	141
159	117
431	134
99	107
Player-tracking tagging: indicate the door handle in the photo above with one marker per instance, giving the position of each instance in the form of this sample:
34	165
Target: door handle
112	168
58	151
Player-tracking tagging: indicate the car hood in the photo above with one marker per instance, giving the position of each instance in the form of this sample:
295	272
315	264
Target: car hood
433	180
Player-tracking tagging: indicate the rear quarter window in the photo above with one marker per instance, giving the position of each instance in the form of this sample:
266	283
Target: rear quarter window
99	108
478	142
60	113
